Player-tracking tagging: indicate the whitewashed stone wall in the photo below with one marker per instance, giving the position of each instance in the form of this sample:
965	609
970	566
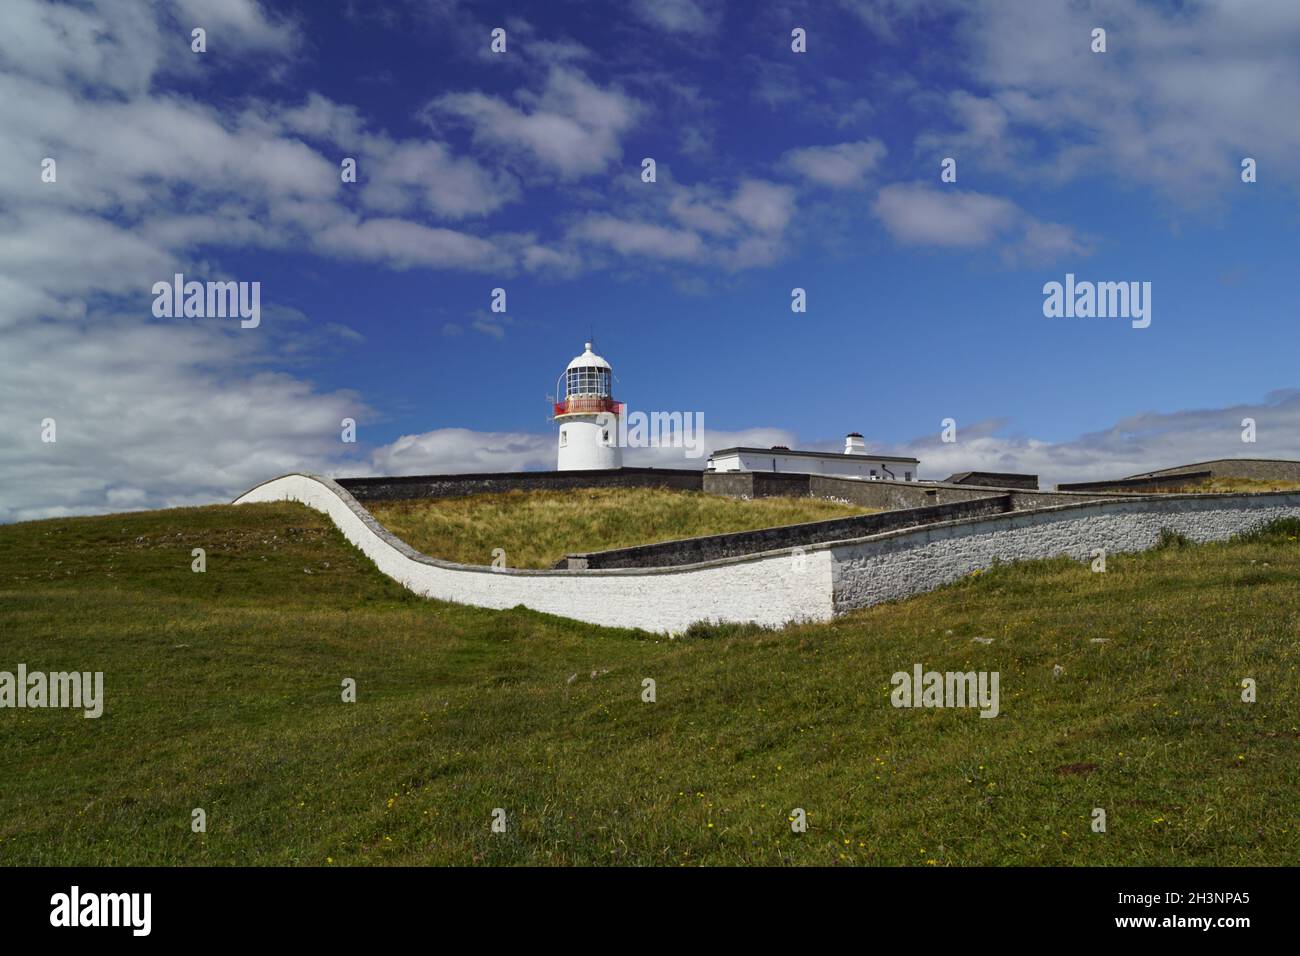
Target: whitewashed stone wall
902	563
771	588
779	587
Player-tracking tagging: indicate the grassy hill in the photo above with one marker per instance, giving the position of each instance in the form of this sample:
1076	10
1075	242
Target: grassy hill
223	692
538	528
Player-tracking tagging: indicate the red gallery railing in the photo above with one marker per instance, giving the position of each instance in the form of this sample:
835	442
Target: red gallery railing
588	405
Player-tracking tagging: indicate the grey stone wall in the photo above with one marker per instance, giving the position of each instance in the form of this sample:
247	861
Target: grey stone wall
449	486
1032	500
1139	485
882	494
1262	469
757	484
912	494
711	547
893	494
770	588
903	563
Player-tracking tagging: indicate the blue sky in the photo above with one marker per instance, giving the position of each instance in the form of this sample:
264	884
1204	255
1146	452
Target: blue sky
521	170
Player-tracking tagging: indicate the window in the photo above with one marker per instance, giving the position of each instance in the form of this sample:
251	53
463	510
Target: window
873	472
564	438
604	436
907	476
587	380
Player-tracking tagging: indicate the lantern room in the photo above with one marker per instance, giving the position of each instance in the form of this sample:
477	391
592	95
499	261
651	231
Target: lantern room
587	387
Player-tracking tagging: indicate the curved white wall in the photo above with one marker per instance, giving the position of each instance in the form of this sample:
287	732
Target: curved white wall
773	588
779	587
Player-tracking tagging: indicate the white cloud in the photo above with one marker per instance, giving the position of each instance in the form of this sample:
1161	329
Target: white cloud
698	224
889	19
690	17
842	166
146	178
923	215
764	206
403	244
402	176
573	127
638	238
240	24
460	450
116	46
1139	443
152	415
158	413
1219	80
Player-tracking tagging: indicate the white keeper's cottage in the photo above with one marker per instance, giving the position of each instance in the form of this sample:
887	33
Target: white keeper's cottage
854	462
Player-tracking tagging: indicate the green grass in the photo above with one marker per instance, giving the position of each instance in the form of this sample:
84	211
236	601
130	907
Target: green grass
223	692
538	528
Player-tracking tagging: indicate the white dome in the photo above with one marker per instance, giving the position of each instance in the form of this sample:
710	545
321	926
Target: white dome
588	359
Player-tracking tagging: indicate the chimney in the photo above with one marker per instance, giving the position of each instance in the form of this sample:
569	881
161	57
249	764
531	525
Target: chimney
854	445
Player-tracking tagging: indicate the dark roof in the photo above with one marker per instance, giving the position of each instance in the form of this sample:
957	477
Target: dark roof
987	474
815	454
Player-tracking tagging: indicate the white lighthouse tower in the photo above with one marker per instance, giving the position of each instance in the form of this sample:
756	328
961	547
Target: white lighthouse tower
588	415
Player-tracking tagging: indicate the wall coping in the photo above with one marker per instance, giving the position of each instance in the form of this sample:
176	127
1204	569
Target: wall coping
809	527
469	476
952	485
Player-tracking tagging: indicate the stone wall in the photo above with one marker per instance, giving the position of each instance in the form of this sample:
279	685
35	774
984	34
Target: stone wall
713	547
1139	485
449	486
903	563
882	494
912	494
757	484
1262	469
792	584
886	494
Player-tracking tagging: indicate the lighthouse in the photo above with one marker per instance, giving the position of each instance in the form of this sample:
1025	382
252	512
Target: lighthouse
588	415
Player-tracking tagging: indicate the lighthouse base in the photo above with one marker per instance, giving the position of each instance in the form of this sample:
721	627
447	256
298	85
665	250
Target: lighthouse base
589	442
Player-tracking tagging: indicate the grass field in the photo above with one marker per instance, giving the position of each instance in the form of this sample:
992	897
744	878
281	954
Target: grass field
223	692
538	528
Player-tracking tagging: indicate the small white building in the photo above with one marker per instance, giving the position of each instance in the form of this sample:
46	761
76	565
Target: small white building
853	462
588	415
